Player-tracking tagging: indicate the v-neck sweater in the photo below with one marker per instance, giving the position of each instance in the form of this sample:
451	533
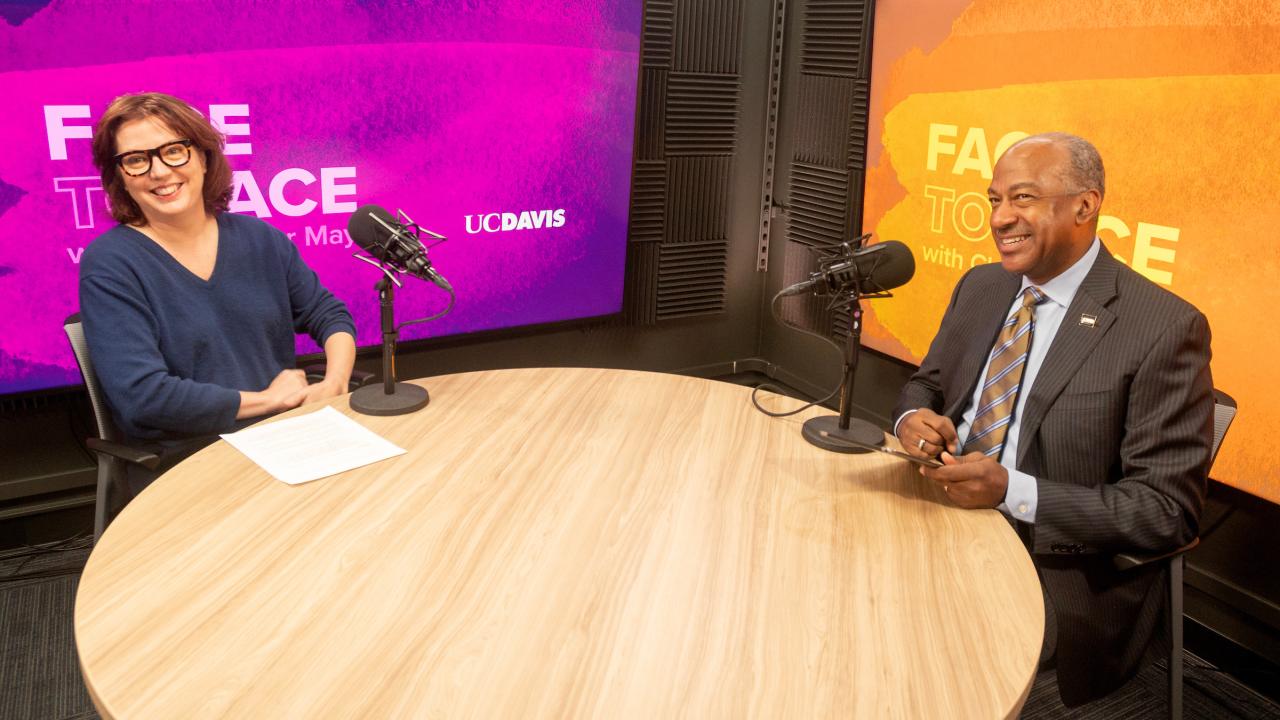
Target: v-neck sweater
171	350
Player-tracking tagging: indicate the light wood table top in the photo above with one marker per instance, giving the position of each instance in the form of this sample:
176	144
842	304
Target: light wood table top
562	543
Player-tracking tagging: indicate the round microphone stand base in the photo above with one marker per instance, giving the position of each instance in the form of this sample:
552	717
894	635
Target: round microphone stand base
375	400
825	432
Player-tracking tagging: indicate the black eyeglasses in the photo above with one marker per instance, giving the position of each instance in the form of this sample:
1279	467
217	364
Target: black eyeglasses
138	162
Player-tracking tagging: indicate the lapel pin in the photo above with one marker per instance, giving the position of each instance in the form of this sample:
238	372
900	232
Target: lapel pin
1088	320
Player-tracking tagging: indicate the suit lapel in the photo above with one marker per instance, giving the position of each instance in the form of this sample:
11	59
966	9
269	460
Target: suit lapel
1074	342
985	318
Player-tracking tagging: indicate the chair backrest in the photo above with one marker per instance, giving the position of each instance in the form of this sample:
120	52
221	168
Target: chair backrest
1224	411
107	429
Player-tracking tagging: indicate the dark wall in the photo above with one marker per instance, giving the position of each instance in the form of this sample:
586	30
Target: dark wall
1233	577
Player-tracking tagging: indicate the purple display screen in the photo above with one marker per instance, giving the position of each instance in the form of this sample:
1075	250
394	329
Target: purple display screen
505	125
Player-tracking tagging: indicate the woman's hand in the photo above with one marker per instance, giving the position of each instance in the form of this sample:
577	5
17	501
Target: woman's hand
288	390
340	357
323	390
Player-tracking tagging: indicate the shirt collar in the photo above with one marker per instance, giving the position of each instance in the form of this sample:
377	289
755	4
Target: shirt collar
1062	289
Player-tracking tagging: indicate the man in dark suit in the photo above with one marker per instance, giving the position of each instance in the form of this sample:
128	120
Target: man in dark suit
1074	395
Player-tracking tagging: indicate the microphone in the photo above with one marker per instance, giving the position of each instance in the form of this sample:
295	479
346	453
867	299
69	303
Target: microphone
384	237
876	268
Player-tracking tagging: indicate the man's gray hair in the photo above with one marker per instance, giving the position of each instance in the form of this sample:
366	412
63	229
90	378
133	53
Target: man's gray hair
1086	164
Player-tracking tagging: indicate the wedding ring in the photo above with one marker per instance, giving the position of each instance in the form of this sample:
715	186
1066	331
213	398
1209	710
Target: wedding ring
946	489
920	443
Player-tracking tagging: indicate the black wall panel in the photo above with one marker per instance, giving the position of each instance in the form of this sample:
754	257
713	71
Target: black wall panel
826	131
836	37
691	278
697	198
659	17
707	37
651	115
822	121
648	202
701	114
687	137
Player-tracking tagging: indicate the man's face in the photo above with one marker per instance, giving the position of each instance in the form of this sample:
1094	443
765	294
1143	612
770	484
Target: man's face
1035	219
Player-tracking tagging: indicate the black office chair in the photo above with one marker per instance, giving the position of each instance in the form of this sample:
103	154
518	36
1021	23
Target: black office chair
1224	411
114	456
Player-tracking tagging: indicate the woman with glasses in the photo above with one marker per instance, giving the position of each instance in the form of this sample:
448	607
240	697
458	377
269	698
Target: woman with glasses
190	311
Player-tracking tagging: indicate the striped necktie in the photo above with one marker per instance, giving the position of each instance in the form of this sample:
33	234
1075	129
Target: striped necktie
1004	378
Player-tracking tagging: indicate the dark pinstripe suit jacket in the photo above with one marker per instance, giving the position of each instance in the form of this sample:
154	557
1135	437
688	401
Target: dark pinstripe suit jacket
1117	431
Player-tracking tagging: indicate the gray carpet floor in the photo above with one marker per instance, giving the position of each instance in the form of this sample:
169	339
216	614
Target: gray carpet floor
39	673
1207	694
40	678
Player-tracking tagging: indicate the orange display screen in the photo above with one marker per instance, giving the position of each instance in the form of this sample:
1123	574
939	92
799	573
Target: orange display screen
1183	102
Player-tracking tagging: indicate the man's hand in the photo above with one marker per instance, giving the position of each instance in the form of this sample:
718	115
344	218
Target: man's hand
936	432
971	481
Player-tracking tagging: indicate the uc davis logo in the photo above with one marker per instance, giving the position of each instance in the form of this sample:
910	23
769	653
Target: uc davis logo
508	221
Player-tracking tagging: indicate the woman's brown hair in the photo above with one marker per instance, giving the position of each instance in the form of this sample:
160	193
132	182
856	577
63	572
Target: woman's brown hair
186	122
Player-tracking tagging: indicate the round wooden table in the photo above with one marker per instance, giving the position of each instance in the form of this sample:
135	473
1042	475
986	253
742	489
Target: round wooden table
562	543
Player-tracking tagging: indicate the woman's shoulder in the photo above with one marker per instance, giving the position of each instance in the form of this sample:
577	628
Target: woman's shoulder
116	246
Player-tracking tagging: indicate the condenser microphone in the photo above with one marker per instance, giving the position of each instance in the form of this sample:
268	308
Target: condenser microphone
387	240
874	268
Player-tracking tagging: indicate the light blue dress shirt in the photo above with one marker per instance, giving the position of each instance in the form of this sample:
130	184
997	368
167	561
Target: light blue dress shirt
1021	496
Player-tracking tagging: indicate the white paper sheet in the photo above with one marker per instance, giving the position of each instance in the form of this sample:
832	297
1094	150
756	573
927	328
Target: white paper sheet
309	447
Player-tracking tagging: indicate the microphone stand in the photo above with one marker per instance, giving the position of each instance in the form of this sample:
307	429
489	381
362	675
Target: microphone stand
838	432
392	398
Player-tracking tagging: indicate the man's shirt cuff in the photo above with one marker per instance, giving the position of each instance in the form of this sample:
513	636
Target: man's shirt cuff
898	422
1020	497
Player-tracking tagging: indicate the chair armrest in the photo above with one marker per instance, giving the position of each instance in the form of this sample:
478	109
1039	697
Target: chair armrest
148	460
1126	561
359	378
315	373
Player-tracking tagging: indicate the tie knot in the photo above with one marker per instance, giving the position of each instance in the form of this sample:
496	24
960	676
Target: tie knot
1032	296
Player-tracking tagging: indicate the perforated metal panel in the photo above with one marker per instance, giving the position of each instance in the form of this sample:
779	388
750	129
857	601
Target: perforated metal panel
777	54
